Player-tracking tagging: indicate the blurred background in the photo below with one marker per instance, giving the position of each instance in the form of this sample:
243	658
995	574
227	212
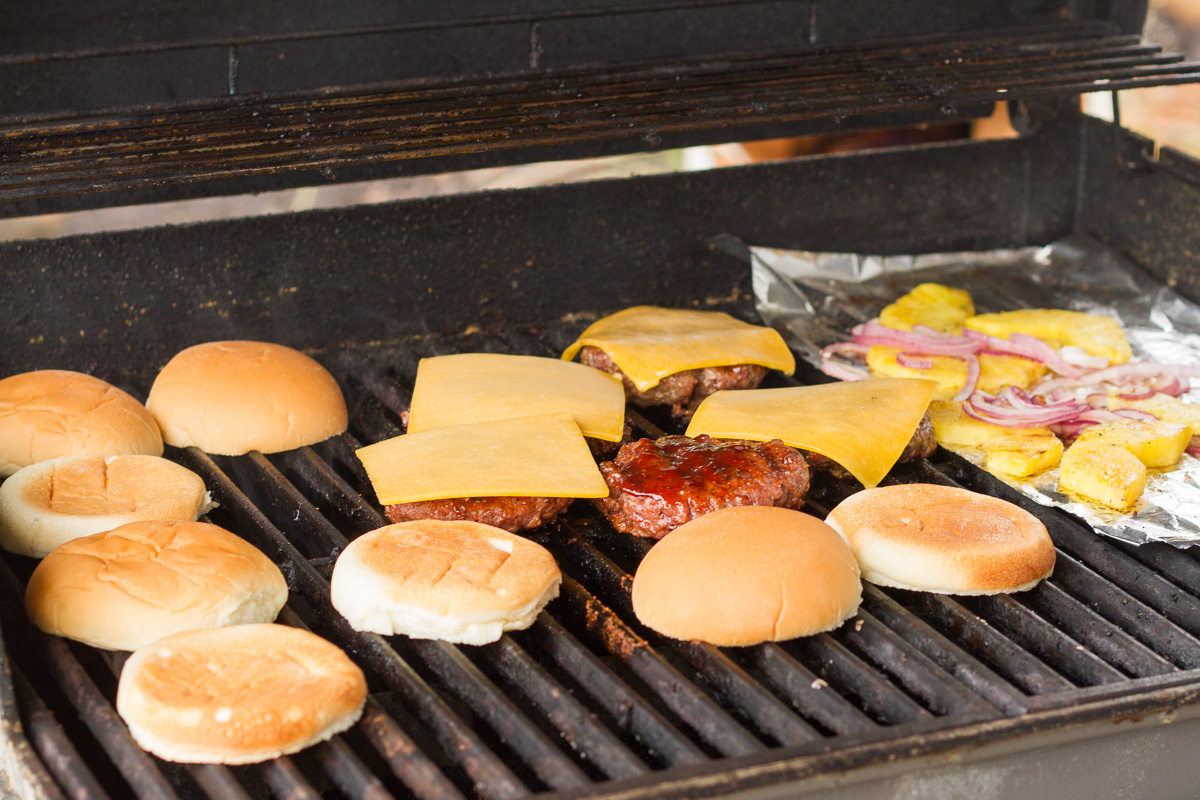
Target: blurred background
1169	115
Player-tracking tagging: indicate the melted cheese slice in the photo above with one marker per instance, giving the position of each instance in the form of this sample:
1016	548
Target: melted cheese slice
649	343
482	387
529	457
862	425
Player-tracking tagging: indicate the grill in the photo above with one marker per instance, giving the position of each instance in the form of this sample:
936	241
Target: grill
1055	692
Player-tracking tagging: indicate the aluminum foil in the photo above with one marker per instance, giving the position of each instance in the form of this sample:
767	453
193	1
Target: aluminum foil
814	299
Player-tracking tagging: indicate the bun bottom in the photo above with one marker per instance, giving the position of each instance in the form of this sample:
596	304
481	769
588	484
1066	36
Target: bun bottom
473	628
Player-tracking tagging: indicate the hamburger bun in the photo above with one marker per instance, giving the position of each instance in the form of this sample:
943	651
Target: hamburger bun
238	695
745	575
229	398
462	582
52	502
54	413
127	587
944	540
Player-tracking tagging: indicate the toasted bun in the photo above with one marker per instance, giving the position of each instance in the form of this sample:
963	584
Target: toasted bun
53	413
463	582
238	695
122	589
229	398
745	575
943	539
51	502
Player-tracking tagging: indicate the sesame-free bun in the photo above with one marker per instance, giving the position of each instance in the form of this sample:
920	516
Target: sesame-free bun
229	398
126	587
745	575
53	413
52	502
238	695
462	582
944	539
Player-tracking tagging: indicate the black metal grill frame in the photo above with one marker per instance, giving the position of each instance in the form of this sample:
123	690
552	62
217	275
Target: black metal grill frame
588	696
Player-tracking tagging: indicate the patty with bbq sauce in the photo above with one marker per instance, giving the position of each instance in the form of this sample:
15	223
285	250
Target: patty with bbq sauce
657	485
682	391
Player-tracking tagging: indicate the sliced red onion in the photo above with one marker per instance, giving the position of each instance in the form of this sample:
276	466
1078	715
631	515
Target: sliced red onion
1122	375
844	372
1013	407
1134	413
1139	393
1193	448
1080	357
1095	400
933	344
971	381
844	348
1025	346
914	361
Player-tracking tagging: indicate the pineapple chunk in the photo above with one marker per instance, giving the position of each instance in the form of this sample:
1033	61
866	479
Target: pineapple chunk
932	304
1022	455
1163	406
1155	443
954	427
1102	472
997	372
1096	334
949	372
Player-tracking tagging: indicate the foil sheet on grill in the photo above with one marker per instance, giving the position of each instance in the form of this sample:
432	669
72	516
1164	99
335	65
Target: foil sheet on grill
814	299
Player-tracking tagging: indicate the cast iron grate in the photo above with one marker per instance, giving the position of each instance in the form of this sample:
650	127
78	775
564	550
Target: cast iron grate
943	77
587	696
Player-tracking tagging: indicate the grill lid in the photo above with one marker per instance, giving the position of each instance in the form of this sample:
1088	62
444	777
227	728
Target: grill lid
149	110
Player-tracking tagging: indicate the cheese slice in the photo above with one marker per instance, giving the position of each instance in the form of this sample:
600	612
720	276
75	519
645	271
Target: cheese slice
528	457
481	387
649	343
862	425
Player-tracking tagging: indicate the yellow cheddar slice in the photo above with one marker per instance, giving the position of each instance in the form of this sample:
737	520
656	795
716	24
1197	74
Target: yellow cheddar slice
529	457
862	425
482	387
649	343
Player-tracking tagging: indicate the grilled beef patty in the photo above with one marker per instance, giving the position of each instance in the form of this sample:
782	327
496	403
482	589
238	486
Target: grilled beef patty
657	485
922	445
510	513
683	391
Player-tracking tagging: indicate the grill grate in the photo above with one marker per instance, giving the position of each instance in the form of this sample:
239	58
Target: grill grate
932	78
588	696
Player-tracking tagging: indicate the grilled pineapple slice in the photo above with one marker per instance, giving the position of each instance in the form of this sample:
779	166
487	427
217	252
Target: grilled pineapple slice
1105	473
1022	455
1155	443
997	372
1094	333
1163	406
932	304
949	372
954	427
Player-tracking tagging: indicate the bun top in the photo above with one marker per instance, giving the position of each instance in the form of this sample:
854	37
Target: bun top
229	398
54	413
51	502
944	539
238	695
126	587
745	575
442	567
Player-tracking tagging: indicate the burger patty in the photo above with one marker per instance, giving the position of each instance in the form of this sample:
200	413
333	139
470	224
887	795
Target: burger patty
510	513
923	444
657	485
683	391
